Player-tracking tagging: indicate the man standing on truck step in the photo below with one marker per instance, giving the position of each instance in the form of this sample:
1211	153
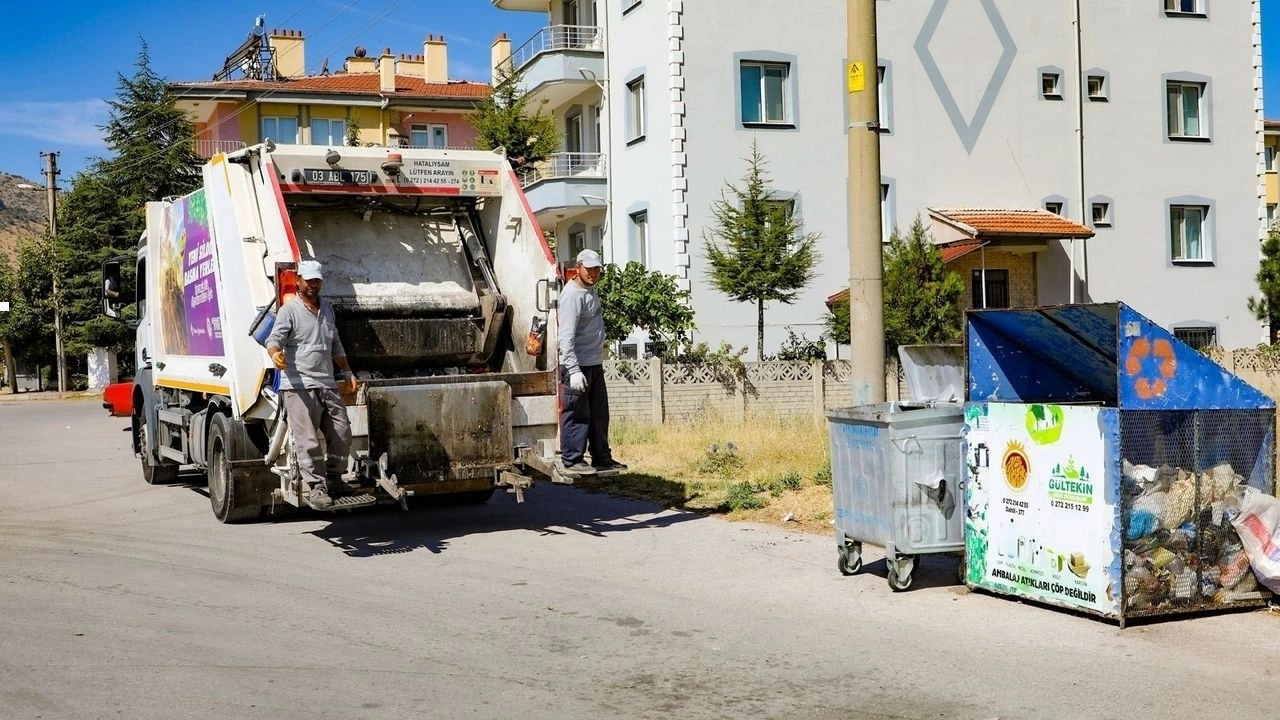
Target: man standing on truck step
584	401
304	345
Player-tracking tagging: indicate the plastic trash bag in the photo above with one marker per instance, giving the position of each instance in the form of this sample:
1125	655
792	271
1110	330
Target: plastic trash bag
1258	524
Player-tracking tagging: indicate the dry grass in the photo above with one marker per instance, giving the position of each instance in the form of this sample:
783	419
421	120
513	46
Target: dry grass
778	465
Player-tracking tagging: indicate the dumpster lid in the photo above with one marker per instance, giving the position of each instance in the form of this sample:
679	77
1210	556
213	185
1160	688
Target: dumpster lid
935	373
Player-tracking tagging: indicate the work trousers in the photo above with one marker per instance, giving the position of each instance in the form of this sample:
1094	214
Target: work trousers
312	410
584	418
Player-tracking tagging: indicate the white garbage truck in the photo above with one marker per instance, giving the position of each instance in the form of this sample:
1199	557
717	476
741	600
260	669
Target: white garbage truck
438	273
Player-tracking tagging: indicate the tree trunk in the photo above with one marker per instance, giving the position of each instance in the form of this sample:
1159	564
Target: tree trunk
10	372
760	329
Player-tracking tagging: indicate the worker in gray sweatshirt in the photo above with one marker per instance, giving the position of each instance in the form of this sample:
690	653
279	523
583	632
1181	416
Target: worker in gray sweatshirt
584	400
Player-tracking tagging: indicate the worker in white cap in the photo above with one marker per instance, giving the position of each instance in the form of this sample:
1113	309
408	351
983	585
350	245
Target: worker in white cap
584	401
304	345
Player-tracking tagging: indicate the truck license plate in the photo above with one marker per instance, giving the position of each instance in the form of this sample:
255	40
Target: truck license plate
332	176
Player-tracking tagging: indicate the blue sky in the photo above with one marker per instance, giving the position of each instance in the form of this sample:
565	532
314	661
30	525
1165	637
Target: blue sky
61	57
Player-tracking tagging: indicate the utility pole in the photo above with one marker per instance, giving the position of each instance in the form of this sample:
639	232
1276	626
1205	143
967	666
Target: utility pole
51	191
866	263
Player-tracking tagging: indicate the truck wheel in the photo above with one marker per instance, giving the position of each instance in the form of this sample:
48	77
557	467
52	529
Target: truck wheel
222	486
152	473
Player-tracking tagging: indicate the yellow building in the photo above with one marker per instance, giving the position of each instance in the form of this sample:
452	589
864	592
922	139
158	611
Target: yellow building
265	91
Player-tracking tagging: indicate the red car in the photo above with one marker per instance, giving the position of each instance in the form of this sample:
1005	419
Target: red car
117	398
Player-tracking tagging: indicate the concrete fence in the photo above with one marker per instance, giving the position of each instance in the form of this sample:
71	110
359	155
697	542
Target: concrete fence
653	392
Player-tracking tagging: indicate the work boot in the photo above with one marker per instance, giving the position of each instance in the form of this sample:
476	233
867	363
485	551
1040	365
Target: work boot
337	488
318	497
609	466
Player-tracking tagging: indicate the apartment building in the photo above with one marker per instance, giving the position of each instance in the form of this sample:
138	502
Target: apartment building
266	89
998	109
1271	147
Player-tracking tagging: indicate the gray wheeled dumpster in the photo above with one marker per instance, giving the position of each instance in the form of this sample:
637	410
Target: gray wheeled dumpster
897	468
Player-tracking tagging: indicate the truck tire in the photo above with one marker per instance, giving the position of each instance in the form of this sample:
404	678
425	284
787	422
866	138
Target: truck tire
227	507
152	473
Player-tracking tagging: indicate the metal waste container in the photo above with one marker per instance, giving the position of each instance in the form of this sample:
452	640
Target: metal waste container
897	468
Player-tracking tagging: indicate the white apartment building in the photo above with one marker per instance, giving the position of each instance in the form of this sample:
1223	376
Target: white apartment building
1144	126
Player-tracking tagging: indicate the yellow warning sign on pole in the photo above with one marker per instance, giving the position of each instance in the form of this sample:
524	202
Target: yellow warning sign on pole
856	77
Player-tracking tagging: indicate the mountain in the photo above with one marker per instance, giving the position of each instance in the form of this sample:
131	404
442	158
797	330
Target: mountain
22	211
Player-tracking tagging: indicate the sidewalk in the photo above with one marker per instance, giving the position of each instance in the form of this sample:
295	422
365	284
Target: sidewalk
7	397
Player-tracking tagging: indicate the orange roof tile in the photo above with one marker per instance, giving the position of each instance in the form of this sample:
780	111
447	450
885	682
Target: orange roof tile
989	223
957	250
407	86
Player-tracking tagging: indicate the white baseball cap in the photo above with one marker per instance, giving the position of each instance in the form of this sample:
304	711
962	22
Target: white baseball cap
310	270
589	258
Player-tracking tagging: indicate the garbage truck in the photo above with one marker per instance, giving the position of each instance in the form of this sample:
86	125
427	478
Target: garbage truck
437	272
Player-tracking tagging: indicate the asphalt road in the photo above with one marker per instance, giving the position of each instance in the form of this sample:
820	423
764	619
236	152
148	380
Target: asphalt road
123	600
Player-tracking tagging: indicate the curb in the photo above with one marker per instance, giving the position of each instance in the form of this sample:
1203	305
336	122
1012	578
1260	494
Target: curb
7	398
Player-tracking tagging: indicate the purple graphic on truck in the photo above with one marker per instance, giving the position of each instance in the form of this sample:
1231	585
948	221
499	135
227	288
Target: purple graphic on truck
200	289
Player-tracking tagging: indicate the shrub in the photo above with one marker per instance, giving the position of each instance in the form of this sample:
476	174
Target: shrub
719	460
743	496
787	481
823	477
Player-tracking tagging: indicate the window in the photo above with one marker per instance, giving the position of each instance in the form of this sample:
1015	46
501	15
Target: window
1185	110
882	99
635	110
421	136
326	131
1053	207
765	93
1183	7
577	243
1199	338
629	5
997	285
283	130
629	351
1096	86
1051	85
1101	213
1271	214
639	237
1270	158
1187	233
886	214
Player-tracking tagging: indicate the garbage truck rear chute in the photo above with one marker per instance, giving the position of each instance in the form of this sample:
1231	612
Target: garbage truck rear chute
436	269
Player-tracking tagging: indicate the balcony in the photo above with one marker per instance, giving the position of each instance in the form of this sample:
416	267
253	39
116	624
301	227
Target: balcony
208	148
567	182
559	62
528	5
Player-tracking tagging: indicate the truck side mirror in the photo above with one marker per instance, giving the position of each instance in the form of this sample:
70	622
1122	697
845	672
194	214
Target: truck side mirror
113	300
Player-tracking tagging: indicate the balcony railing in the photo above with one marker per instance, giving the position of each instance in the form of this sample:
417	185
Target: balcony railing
208	148
555	38
566	165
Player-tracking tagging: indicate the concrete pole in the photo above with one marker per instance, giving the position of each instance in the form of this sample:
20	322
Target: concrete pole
51	190
866	264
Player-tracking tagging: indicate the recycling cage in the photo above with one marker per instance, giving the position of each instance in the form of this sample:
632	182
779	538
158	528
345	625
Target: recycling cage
1104	460
896	467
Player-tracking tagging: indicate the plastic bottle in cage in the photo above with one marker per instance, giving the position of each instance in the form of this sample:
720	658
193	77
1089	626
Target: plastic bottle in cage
537	333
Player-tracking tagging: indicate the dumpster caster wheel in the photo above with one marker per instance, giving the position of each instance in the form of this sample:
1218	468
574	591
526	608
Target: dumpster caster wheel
850	560
898	582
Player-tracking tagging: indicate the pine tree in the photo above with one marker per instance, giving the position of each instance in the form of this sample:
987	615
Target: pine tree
506	119
102	216
757	252
921	298
1267	307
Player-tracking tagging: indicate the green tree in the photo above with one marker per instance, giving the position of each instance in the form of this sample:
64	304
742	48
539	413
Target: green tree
507	118
758	252
635	297
26	330
1266	307
921	298
103	214
836	321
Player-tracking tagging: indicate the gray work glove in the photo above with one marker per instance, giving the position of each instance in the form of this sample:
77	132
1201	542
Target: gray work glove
578	382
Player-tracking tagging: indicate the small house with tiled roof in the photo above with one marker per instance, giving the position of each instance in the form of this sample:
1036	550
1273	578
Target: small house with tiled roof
265	90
